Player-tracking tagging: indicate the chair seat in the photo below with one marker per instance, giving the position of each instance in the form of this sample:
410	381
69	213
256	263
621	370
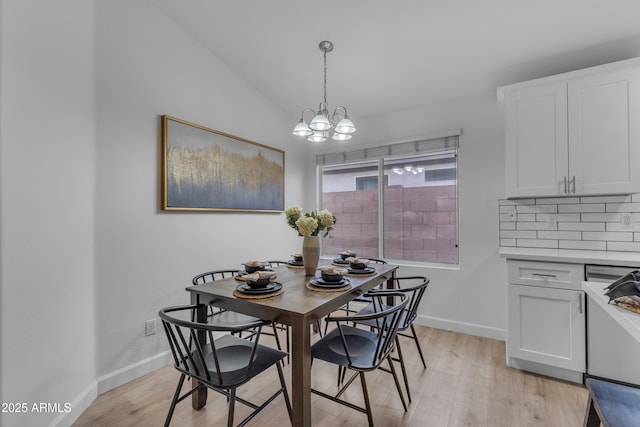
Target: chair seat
617	405
361	346
233	358
230	319
362	298
370	309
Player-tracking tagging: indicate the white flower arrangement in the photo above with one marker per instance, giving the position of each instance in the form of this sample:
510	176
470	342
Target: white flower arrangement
311	223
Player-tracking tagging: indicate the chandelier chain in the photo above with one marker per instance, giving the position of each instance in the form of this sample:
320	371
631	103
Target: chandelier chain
325	79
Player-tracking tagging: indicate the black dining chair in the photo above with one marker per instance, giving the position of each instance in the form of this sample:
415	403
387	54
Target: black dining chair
414	287
277	263
376	260
222	317
362	350
348	307
220	362
362	298
612	404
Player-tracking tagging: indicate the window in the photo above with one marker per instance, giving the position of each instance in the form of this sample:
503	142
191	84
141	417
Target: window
417	218
369	182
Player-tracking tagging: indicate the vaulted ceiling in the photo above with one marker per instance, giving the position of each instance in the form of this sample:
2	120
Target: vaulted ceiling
396	55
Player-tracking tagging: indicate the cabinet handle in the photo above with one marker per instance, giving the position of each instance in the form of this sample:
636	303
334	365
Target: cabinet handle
573	184
580	302
564	183
545	276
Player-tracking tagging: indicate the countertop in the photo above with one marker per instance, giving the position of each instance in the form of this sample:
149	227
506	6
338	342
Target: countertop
630	321
628	259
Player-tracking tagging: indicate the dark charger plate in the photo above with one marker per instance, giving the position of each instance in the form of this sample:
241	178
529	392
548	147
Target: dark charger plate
366	270
270	288
323	284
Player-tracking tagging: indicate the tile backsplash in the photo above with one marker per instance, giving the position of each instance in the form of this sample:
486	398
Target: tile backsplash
591	223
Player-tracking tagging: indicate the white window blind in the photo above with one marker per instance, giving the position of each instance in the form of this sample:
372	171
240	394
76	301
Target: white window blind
422	146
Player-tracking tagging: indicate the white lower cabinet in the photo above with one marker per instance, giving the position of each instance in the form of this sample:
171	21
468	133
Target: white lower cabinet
546	324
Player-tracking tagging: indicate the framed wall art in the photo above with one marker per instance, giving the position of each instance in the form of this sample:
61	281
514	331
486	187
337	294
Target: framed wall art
205	169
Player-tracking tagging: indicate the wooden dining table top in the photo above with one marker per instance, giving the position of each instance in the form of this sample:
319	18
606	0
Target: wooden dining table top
297	299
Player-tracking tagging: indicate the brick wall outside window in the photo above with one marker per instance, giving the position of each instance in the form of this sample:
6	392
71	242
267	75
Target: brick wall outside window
420	223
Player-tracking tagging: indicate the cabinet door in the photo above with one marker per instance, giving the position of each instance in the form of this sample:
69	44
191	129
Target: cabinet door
536	134
547	326
604	142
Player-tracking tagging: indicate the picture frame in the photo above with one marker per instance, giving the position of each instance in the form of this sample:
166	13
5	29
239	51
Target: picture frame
204	169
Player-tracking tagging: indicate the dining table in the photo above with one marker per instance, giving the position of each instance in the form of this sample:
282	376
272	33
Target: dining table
300	305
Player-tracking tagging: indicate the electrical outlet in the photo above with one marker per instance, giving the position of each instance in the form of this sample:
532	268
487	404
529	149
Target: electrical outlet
511	213
552	220
626	219
150	327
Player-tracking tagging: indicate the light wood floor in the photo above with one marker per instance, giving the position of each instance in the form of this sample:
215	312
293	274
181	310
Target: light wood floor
466	383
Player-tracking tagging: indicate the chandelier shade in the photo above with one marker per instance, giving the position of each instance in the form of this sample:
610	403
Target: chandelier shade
345	125
320	121
338	125
302	129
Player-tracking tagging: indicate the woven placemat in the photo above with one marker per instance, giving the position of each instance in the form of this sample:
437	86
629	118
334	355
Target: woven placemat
238	294
337	264
360	275
318	289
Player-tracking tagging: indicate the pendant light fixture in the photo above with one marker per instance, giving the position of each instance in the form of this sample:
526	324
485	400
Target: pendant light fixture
338	126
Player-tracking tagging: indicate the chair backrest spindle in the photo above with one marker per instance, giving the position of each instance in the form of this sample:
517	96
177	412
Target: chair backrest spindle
415	292
211	276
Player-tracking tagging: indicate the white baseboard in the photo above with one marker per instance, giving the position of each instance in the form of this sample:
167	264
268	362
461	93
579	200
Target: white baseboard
78	406
462	327
549	371
131	372
109	382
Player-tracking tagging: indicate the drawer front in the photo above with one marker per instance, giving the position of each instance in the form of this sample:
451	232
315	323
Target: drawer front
545	274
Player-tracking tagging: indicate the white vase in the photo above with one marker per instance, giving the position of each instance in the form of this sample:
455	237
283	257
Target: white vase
310	254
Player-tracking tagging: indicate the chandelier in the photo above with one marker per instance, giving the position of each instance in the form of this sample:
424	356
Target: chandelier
338	126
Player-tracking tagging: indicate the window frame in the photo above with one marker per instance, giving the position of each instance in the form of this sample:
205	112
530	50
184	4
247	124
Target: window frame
381	199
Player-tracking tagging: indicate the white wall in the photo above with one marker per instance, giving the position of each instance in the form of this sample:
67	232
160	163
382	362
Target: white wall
87	256
47	152
470	298
146	67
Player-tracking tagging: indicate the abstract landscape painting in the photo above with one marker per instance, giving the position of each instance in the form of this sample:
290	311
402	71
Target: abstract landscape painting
205	169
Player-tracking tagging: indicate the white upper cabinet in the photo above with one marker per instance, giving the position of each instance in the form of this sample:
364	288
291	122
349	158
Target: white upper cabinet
603	132
537	154
575	133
